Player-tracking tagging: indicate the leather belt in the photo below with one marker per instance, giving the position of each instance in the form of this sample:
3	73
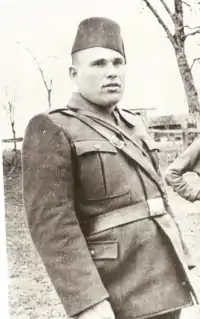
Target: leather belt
151	208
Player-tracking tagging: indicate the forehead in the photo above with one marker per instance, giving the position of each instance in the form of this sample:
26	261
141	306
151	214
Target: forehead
88	55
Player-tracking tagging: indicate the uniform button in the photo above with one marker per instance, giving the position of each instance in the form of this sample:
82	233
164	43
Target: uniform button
97	146
92	252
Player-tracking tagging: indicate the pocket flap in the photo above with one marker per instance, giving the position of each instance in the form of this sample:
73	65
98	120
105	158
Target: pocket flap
104	249
86	146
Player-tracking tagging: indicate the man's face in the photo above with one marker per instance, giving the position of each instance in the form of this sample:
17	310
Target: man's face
99	74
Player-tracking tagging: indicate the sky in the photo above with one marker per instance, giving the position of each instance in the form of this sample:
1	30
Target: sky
48	27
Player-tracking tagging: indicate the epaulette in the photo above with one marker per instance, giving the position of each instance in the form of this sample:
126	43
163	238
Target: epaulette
130	111
61	110
132	118
138	116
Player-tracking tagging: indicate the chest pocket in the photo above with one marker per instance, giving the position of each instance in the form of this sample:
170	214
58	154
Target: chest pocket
102	171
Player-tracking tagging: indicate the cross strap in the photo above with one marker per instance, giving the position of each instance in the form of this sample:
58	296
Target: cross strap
111	126
142	161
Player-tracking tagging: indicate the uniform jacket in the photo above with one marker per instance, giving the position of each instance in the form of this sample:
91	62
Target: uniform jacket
72	176
188	161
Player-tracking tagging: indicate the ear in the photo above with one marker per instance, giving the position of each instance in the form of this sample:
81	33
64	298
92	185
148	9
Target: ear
73	72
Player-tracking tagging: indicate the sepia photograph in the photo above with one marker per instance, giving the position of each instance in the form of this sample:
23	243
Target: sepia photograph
100	159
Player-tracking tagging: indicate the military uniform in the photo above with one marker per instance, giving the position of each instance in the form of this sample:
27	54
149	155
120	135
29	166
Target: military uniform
188	161
100	220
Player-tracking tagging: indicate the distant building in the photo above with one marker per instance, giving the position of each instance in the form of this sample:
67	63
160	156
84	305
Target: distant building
144	112
172	122
160	126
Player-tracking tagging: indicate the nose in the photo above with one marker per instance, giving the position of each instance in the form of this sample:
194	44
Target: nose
111	71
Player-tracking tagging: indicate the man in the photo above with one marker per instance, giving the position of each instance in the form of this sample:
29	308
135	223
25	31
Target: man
96	207
188	161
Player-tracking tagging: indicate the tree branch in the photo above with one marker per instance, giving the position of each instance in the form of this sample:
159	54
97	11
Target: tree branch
187	4
167	9
38	66
192	33
11	111
194	61
159	19
43	77
9	107
179	13
50	84
192	28
178	4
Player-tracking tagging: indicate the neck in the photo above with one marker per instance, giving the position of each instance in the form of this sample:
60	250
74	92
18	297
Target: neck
107	109
80	102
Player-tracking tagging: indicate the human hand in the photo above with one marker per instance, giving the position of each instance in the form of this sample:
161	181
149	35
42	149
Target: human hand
102	310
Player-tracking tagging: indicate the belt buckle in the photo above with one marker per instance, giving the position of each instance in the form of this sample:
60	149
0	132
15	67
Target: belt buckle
156	206
117	142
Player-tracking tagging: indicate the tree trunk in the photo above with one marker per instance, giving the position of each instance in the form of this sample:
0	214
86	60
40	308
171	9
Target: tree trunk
188	82
49	97
14	135
178	43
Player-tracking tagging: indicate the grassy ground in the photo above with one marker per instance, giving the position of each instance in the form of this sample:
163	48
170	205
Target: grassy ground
30	292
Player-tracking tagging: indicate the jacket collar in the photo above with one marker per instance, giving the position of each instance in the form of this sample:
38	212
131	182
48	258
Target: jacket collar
79	103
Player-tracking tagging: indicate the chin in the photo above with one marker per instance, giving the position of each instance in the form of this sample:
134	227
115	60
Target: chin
107	100
113	99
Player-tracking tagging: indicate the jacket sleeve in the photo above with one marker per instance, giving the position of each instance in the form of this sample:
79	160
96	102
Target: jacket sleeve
48	190
184	163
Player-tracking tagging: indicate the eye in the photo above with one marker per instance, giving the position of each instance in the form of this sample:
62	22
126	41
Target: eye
99	63
118	62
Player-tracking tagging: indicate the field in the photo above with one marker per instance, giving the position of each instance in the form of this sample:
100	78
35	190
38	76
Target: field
31	294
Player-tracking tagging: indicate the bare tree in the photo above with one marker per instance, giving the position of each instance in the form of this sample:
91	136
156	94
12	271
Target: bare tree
48	84
11	158
9	106
178	39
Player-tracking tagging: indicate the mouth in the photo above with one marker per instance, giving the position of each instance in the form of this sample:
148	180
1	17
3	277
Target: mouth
112	85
